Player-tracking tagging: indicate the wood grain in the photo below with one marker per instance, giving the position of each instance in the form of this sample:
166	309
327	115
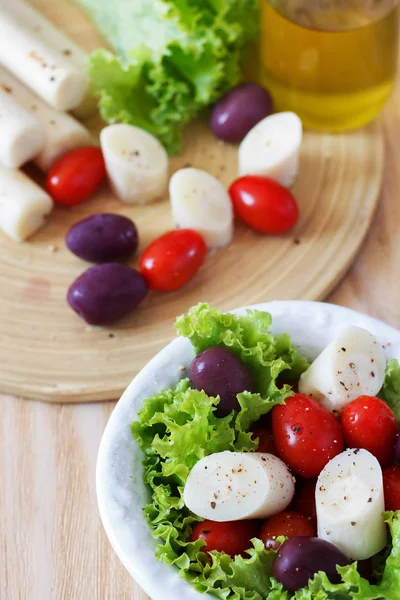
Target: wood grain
52	545
48	353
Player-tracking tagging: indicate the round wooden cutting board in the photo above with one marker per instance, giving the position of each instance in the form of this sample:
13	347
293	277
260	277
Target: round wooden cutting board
48	353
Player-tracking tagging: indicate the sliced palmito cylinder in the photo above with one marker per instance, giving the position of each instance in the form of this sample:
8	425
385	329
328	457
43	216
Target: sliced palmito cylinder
24	206
199	201
22	136
350	502
136	163
36	22
67	47
272	148
62	132
233	486
352	365
41	56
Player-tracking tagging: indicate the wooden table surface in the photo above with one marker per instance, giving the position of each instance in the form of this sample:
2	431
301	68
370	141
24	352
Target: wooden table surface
52	545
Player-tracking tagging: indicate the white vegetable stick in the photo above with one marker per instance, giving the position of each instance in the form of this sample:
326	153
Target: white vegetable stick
21	135
33	50
350	366
199	201
272	148
350	502
136	162
24	206
37	23
233	486
62	132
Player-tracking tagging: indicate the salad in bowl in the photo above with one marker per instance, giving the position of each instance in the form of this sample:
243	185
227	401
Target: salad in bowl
255	458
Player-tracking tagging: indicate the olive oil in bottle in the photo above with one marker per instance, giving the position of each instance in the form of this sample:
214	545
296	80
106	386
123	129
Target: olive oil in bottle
333	62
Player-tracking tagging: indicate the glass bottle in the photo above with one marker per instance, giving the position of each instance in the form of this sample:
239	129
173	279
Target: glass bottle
333	62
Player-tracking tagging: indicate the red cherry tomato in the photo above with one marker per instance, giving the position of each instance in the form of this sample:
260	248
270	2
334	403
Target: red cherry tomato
264	204
391	487
265	441
306	435
173	259
232	537
289	524
304	500
76	176
369	423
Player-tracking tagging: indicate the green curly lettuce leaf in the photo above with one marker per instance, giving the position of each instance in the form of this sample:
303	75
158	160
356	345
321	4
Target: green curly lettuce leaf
241	578
173	58
391	387
248	337
176	428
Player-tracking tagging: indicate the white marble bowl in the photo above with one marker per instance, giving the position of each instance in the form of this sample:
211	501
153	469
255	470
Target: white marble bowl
121	492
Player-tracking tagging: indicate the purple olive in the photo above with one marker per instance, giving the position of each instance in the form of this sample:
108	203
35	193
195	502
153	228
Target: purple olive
219	372
397	449
105	293
300	558
239	111
103	238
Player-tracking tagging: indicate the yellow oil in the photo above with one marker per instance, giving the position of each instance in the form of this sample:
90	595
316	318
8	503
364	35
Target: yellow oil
333	63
